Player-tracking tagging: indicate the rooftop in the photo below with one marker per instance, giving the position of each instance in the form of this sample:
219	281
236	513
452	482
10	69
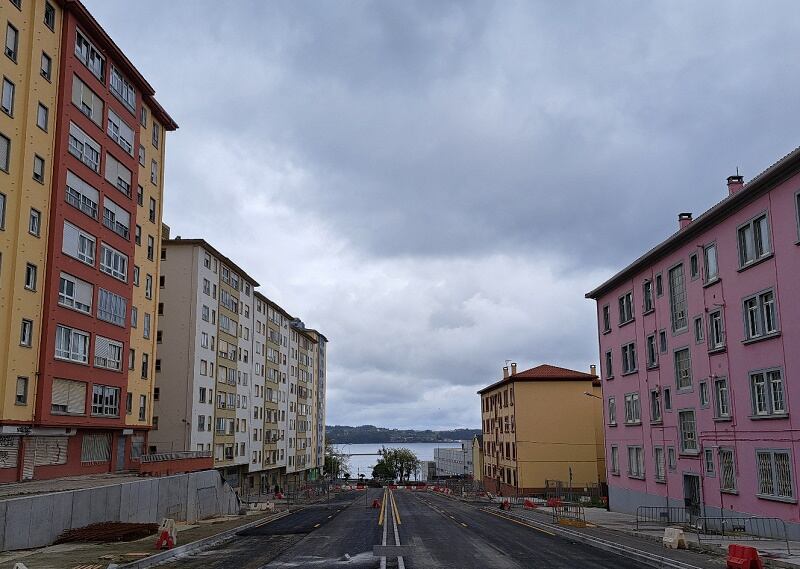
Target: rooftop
765	181
544	372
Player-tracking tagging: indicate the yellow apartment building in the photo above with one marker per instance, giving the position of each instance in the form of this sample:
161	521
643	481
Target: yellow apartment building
541	424
30	74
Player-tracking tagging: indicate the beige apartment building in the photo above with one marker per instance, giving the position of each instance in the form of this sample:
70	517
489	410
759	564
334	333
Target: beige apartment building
238	377
544	423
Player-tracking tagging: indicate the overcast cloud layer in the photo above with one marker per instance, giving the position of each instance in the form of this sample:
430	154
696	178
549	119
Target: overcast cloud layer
435	185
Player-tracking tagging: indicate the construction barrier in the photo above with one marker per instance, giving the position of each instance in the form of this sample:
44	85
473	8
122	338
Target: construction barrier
674	538
743	557
528	505
376	504
167	534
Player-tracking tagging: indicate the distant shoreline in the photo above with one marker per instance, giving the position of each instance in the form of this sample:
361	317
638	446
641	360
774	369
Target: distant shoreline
369	434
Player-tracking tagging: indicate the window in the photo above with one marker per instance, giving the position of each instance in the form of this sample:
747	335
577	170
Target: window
677	299
698	329
614	459
652	351
30	276
711	265
205	311
628	358
760	315
140	195
672	460
727	472
87	101
659	285
148	287
767	393
606	319
136	272
47	67
7	104
658	458
120	132
123	90
26	333
107	353
154	172
647	294
42	117
156	133
152	210
12	41
143	117
105	401
75	293
655	406
141	155
775	474
704	396
111	307
694	266
90	57
82	196
633	412
145	365
5	156
688	431
151	245
68	398
625	308
683	369
708	462
131	359
146	328
635	462
612	411
118	175
716	330
116	219
142	407
49	16
72	345
162	281
753	241
38	168
84	147
113	262
22	391
137	237
722	409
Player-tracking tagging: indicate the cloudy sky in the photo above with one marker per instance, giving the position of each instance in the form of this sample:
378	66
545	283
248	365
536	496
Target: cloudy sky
435	185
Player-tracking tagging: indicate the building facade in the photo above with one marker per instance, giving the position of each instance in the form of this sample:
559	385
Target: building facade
698	342
75	116
237	375
529	440
454	461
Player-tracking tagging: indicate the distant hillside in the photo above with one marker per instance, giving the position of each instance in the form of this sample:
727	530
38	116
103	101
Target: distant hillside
340	434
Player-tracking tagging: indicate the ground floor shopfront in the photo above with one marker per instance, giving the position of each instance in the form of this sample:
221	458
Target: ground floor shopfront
42	453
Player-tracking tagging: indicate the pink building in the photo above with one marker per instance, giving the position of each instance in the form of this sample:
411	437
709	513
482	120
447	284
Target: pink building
699	345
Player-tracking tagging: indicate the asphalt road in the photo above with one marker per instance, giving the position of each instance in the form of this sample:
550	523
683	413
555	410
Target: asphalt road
437	532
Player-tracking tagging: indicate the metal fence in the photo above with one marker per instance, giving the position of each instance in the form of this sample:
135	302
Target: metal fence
648	517
569	514
716	529
591	493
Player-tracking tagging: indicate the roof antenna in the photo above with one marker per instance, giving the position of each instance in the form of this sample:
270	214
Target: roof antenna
737	170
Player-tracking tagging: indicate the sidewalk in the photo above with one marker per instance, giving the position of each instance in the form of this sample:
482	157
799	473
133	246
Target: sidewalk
100	555
618	526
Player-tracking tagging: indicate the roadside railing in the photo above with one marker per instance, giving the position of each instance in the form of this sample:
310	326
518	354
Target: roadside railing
175	455
716	529
569	514
660	516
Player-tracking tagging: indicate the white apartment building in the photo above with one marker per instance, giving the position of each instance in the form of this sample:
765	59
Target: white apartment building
454	461
238	374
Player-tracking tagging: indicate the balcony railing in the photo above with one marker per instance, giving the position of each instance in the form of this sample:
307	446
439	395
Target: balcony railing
175	455
116	227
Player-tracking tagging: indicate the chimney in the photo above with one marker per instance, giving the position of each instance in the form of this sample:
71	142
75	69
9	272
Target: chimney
684	219
593	369
735	183
505	372
513	368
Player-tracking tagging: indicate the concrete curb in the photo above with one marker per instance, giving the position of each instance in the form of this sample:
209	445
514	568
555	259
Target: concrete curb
199	545
645	557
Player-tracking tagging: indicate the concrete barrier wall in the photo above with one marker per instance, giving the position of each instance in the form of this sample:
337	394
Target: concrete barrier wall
36	521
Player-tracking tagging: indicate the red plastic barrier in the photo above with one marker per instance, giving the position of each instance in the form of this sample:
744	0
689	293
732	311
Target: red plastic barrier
554	502
164	539
506	505
376	504
743	557
278	496
528	505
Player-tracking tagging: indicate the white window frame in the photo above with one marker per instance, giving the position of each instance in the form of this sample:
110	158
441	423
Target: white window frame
77	344
769	483
768	393
760	314
113	262
753	240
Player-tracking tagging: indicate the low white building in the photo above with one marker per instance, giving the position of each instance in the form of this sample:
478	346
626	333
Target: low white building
454	461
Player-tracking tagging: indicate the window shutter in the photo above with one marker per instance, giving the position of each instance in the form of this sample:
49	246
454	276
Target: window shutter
70	245
77	91
100	348
82	187
50	450
61	392
77	397
9	449
83	292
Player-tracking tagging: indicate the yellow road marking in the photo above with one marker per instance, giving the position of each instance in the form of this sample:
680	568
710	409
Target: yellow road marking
520	523
383	509
395	509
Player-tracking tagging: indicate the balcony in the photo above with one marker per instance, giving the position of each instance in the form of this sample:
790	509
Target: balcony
116	227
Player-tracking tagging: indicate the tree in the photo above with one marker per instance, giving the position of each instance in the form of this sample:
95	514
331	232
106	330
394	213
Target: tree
395	464
337	464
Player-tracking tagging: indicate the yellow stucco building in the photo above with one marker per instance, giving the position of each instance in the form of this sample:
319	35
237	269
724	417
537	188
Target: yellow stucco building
544	423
